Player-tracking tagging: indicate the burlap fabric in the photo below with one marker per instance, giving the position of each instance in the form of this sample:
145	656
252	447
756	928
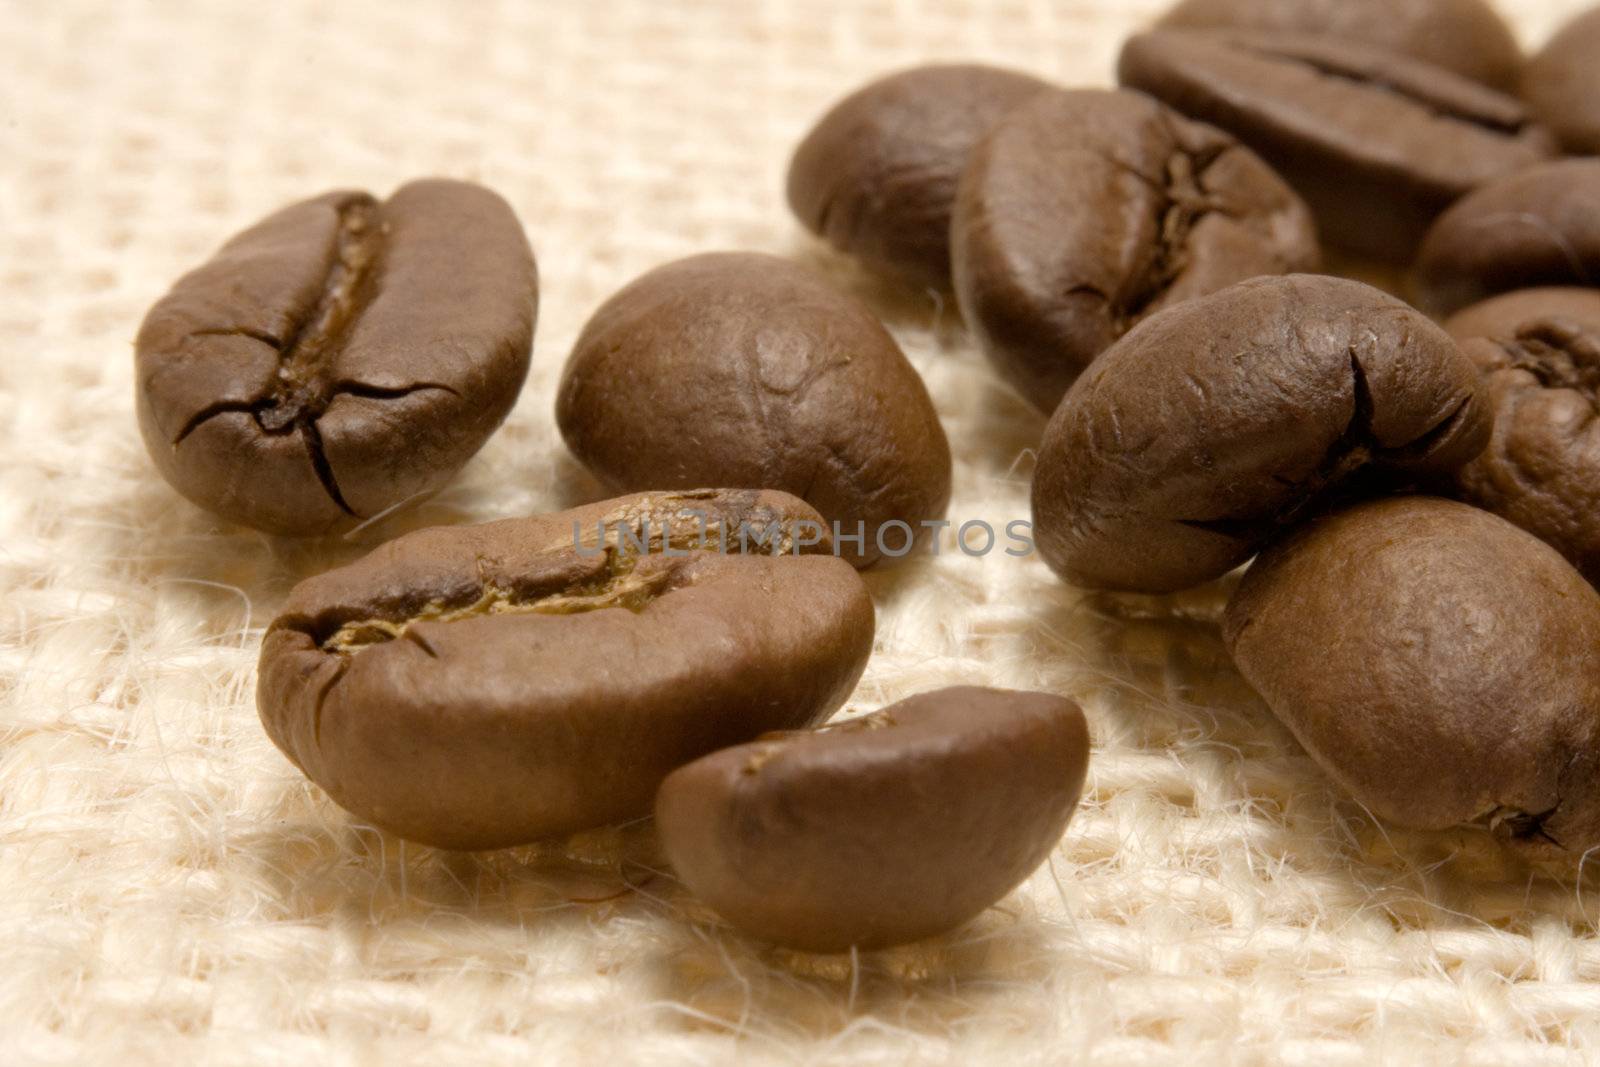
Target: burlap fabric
171	891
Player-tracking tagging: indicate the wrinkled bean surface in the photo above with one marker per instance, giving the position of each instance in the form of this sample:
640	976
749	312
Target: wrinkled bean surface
1539	350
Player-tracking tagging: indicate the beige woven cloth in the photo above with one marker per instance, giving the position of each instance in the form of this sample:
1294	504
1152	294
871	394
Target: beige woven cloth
172	892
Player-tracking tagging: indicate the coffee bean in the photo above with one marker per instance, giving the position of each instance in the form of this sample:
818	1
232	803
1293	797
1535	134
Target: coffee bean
746	370
1502	317
1538	227
482	686
1083	212
1215	424
879	830
1539	351
1440	664
1562	84
1466	37
877	175
341	357
1378	144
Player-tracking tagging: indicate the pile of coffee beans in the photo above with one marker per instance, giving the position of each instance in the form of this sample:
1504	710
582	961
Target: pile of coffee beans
1420	500
1134	262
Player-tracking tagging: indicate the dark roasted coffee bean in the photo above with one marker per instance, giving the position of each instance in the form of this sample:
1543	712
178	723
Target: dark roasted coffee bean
1082	212
1213	425
1378	144
746	370
1466	37
877	175
482	686
1441	665
341	357
1538	227
1562	84
1539	351
883	829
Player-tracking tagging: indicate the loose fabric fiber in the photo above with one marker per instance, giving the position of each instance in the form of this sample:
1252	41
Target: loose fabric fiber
172	891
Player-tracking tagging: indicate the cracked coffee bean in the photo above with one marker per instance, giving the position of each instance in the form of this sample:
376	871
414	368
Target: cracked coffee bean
745	370
1083	212
1539	227
1562	84
1539	351
1378	144
877	175
483	686
1217	423
341	357
1466	37
879	830
1441	665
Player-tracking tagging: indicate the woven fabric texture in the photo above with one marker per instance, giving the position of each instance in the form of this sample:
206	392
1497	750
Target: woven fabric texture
172	891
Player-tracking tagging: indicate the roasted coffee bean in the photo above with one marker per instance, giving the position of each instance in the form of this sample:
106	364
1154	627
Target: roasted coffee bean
1539	351
482	686
879	830
1464	36
1215	424
1440	664
745	370
1378	144
1539	227
343	356
1083	212
1562	84
1504	316
877	175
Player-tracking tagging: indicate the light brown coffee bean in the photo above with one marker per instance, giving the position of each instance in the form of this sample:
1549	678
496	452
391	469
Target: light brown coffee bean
879	830
746	370
1441	665
343	356
483	686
